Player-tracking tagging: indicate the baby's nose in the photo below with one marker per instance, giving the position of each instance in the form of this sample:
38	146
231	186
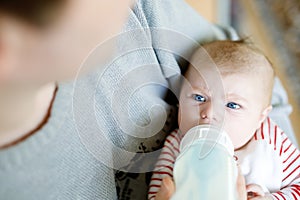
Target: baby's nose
206	112
211	114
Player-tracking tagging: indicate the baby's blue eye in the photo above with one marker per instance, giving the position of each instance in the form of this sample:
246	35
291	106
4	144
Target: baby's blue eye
233	105
198	97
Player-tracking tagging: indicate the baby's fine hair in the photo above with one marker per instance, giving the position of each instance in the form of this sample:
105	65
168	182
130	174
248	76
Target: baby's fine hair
239	57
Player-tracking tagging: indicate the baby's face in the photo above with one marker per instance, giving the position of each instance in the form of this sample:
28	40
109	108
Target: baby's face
236	103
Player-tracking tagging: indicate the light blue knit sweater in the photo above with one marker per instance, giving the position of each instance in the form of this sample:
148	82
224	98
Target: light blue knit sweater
64	160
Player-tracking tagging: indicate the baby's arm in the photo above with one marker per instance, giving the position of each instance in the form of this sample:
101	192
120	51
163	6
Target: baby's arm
290	157
166	190
165	164
289	160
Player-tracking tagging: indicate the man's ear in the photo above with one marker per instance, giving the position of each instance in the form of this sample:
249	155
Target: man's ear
265	113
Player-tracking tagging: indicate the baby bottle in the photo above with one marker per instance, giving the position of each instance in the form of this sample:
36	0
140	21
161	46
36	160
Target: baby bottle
205	168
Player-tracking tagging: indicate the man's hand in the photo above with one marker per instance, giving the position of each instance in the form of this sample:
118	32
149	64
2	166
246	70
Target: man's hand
166	190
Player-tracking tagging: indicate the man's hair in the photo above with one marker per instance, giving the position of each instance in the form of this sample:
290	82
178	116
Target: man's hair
34	12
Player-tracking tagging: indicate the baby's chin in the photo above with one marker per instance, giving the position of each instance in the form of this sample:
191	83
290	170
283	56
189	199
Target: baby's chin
238	146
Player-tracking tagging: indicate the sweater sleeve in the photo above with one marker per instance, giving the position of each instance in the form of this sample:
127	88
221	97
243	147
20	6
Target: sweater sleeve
165	163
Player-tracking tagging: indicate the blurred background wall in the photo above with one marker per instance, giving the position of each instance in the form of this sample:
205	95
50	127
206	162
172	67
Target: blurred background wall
274	25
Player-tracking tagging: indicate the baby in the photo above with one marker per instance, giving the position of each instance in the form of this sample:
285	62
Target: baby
229	84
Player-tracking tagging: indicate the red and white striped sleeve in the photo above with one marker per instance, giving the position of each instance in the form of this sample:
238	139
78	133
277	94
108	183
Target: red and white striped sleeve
290	157
165	163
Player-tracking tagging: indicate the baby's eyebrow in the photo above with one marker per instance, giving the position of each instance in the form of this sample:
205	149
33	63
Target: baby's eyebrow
236	97
200	87
200	90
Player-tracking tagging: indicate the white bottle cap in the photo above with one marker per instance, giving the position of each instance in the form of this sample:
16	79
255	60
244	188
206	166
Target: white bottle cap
211	134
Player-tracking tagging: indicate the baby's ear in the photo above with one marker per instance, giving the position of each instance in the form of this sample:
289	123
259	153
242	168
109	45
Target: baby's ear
265	113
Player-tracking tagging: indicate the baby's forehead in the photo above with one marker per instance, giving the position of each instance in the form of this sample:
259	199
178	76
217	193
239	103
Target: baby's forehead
210	75
236	85
257	67
240	87
231	57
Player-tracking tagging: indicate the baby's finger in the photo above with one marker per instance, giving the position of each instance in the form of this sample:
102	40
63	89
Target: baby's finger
166	190
241	186
254	190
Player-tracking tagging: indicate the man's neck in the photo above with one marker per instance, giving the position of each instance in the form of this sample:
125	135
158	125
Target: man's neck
23	110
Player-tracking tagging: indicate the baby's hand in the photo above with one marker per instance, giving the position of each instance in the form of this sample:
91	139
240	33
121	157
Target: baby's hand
166	190
255	192
241	186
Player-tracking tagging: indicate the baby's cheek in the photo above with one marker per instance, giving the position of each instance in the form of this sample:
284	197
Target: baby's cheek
237	138
240	140
179	117
188	116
